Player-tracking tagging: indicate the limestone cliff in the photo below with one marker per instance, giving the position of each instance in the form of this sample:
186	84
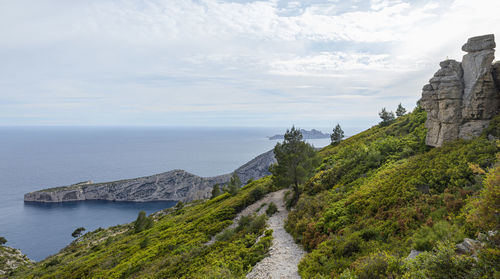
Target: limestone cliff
462	98
176	185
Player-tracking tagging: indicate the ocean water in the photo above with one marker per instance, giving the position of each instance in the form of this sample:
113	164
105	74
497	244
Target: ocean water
33	158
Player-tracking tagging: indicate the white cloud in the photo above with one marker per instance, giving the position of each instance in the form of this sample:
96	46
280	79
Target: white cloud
284	59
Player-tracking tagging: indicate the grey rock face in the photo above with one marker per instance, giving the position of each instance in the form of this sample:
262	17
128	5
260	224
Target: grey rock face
413	254
468	246
176	185
479	43
462	98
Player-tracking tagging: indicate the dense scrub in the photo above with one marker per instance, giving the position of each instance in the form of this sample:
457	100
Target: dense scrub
382	193
172	247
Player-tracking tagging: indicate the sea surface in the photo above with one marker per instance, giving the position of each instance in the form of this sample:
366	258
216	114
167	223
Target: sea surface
33	158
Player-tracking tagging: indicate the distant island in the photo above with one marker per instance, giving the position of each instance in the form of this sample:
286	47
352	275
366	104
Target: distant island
312	134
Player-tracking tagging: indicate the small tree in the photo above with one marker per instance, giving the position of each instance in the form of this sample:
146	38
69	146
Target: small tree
295	161
386	116
142	222
78	232
234	184
2	240
337	134
216	191
400	111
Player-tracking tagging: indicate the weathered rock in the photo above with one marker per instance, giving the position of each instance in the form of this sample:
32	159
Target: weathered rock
479	43
413	254
11	259
176	185
442	98
468	246
462	98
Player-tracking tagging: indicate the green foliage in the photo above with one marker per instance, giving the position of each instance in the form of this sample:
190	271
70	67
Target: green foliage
442	263
386	116
296	160
78	232
142	222
216	191
484	210
144	243
400	111
271	209
377	265
2	240
384	191
337	134
174	246
234	184
426	238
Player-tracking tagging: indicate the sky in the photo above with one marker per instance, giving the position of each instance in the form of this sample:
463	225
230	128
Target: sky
225	63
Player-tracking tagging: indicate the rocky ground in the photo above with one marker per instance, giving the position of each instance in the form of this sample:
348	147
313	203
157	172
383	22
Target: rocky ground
285	254
11	259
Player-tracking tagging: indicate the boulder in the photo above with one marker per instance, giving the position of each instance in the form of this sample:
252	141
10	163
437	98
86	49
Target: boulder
413	254
479	43
468	246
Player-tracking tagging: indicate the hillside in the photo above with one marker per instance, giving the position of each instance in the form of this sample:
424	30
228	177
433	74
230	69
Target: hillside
382	193
173	247
376	196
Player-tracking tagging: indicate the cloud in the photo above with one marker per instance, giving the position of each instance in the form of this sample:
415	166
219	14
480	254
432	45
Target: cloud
177	62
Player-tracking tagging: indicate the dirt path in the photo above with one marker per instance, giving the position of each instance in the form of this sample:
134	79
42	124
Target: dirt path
284	255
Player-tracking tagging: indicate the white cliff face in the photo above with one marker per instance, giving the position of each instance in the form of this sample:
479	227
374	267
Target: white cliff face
175	185
462	98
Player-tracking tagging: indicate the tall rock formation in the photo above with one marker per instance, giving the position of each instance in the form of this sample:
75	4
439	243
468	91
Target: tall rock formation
462	98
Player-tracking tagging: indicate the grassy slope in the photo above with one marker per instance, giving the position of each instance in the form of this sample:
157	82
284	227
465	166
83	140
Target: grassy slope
377	190
172	248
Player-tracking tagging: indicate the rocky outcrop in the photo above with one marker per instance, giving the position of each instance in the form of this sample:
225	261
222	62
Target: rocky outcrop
462	98
313	134
175	185
11	259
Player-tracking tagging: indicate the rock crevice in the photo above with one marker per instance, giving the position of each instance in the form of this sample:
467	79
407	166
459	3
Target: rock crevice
463	97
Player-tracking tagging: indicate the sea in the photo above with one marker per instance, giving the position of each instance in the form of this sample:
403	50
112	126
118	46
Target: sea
34	158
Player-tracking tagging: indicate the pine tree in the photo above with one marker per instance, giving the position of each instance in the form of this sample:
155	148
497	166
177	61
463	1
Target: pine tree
234	184
78	232
296	160
337	134
216	191
142	222
2	240
386	116
400	111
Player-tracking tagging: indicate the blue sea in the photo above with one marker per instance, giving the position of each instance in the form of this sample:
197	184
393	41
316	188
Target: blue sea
33	158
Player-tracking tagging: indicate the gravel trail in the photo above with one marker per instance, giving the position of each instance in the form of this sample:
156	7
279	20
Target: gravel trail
285	254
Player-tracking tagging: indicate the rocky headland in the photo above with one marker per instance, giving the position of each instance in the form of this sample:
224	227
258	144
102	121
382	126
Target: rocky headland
313	134
175	185
463	97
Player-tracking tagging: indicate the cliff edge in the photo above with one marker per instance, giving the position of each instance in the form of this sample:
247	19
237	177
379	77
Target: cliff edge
175	185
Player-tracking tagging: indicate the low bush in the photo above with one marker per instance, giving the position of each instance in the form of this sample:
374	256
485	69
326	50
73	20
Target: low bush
271	209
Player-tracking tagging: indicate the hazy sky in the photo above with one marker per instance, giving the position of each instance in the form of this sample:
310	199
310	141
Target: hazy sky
225	63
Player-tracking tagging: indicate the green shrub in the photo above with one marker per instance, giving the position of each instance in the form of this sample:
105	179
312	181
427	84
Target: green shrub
425	238
142	222
144	243
441	263
271	209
